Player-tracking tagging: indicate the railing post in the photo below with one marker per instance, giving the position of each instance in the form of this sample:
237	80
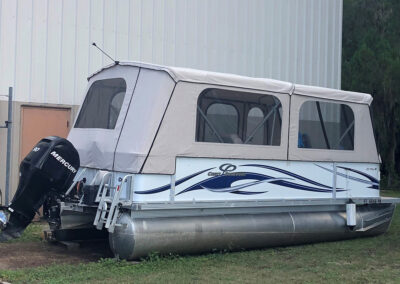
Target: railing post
172	189
132	190
334	181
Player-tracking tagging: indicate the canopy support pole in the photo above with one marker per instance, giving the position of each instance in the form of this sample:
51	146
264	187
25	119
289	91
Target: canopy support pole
262	123
346	131
321	120
334	180
209	124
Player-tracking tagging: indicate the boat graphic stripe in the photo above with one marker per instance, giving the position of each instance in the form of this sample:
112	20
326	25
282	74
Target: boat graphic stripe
289	174
373	182
223	183
304	187
248	192
168	186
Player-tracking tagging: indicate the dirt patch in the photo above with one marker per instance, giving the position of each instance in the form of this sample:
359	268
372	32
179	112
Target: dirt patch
33	254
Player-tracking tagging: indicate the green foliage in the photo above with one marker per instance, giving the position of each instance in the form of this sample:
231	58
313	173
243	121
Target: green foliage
371	64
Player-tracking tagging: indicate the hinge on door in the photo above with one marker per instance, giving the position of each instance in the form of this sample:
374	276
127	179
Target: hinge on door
67	123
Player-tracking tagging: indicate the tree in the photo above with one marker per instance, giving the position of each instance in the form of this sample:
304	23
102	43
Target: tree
371	64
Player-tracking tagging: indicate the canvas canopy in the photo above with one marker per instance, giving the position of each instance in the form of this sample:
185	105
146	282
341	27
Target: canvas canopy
179	74
156	119
332	94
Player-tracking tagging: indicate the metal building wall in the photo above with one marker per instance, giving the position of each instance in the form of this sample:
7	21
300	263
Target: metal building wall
45	50
46	53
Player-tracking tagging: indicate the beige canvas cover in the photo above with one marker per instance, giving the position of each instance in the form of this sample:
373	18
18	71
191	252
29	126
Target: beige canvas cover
223	79
214	78
157	122
332	94
96	146
177	133
149	102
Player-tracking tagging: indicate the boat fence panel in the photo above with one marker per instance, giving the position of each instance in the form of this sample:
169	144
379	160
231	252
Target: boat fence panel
204	179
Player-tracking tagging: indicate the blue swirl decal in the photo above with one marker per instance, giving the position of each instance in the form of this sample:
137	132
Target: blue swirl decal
222	183
168	186
372	182
289	174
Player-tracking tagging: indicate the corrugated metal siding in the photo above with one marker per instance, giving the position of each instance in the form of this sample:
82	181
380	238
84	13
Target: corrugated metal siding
45	50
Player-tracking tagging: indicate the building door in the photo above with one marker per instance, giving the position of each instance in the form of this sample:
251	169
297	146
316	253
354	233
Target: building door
39	122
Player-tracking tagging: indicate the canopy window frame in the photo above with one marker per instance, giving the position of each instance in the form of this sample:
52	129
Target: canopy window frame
364	143
243	108
96	146
181	117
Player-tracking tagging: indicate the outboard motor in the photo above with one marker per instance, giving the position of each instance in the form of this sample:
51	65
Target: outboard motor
48	169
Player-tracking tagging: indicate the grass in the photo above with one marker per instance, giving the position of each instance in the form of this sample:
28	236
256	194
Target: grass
374	260
33	233
390	193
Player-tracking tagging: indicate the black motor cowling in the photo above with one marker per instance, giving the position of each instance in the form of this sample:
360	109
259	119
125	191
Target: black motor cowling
48	169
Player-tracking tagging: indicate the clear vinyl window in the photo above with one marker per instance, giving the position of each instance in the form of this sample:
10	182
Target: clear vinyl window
226	116
324	125
254	117
223	120
102	104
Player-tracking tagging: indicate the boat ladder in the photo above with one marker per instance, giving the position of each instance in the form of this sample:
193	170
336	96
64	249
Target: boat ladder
110	202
